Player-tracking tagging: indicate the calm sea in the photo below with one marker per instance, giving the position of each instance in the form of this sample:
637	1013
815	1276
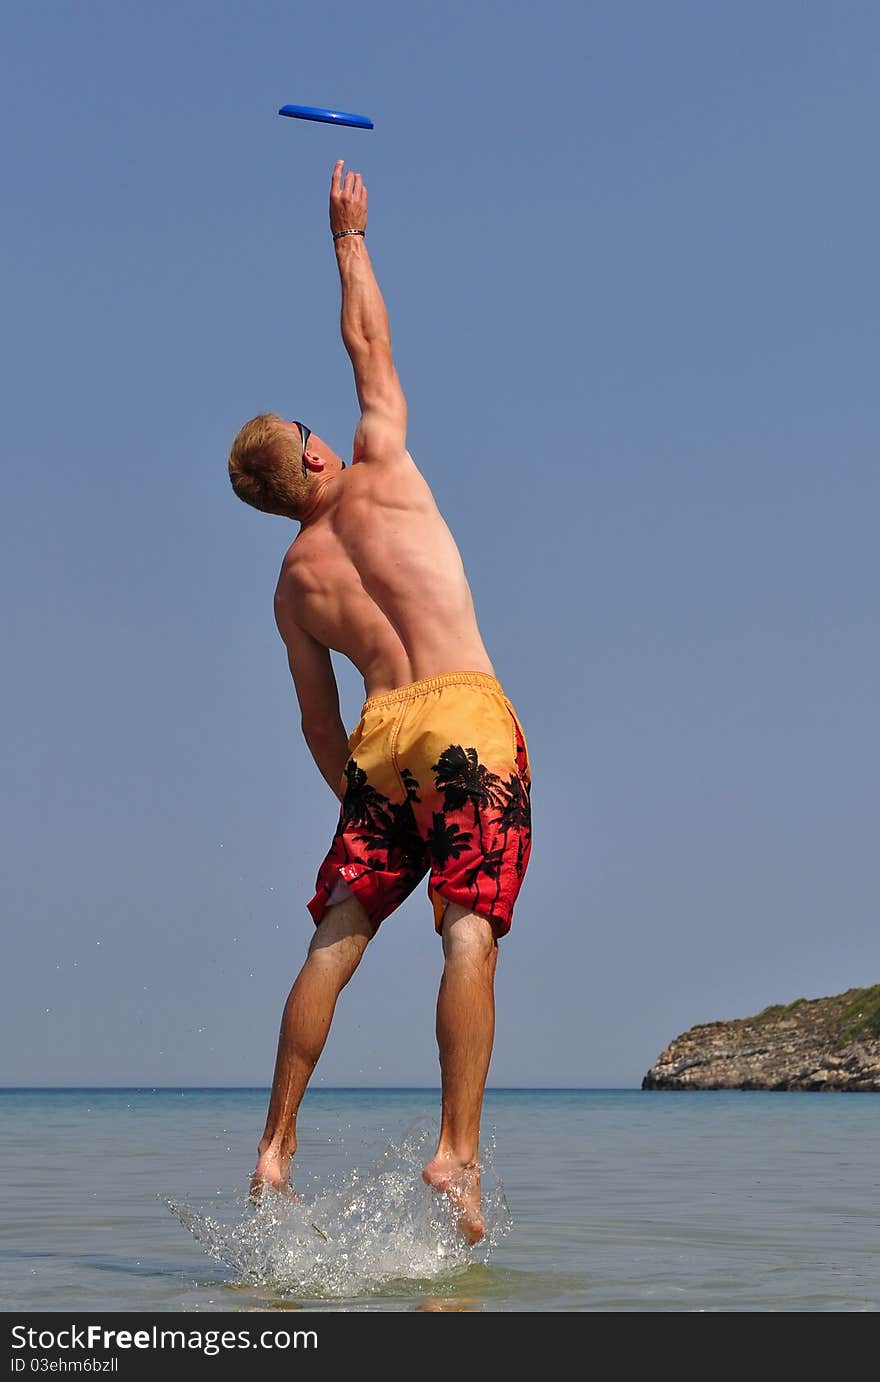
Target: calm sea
598	1200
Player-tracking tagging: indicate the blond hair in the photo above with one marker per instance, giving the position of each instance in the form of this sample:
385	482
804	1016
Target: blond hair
265	467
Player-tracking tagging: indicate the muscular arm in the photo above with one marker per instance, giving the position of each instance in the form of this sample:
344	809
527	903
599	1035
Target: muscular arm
366	334
318	696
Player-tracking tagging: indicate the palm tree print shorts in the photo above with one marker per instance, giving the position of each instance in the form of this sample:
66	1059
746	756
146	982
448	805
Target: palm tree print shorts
437	782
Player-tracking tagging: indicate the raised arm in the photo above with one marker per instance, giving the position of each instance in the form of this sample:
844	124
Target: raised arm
381	432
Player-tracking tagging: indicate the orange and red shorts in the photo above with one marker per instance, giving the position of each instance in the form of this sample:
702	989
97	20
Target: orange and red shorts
437	782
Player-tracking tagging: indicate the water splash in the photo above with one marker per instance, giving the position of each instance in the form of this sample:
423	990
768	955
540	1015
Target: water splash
377	1226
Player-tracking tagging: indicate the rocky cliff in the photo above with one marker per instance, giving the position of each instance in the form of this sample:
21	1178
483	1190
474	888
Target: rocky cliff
818	1043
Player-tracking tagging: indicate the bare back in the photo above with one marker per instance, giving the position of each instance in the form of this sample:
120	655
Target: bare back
376	575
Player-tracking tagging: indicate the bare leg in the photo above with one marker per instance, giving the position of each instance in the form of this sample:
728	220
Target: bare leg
334	955
465	1029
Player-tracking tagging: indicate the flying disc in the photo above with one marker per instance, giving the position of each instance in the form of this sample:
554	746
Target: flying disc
327	117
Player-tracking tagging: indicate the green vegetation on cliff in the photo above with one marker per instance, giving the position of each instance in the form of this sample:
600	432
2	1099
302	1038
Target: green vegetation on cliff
862	1015
850	1016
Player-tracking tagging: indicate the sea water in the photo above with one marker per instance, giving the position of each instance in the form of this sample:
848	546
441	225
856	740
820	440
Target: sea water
595	1200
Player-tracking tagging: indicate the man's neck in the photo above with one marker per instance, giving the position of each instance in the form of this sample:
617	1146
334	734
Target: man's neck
320	499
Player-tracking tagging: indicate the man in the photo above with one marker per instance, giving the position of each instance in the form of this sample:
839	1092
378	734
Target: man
435	778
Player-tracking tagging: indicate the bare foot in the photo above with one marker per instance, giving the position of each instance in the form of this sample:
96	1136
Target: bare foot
272	1170
460	1183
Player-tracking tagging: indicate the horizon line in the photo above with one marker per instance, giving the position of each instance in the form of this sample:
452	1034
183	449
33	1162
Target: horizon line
263	1089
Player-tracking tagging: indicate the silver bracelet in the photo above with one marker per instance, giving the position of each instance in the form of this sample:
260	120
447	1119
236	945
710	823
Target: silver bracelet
338	234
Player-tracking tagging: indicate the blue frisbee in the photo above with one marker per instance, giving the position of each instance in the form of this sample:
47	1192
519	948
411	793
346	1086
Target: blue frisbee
327	117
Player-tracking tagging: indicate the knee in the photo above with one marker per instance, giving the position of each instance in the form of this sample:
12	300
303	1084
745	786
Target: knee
336	950
468	940
344	957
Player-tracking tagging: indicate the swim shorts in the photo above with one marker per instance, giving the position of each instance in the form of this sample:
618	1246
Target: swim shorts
437	782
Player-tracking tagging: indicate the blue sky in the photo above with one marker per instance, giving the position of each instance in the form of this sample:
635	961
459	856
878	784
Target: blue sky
629	254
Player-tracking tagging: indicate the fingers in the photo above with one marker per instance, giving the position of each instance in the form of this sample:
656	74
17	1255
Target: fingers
353	186
349	184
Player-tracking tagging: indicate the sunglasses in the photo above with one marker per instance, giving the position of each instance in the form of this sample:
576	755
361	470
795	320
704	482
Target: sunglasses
305	433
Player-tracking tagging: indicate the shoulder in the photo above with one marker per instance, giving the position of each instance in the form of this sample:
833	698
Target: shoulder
285	597
289	563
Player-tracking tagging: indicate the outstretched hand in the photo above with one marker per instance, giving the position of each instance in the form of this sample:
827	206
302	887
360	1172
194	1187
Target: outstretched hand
348	200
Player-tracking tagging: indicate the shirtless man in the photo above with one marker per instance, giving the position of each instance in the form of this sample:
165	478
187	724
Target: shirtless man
435	777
